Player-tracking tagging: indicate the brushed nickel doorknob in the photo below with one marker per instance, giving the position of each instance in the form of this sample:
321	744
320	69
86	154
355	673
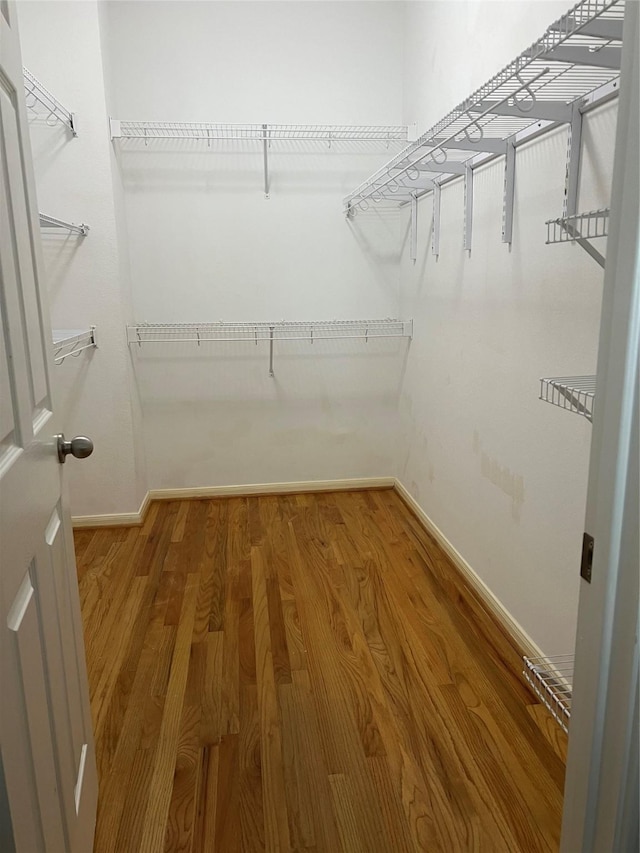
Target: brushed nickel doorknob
80	447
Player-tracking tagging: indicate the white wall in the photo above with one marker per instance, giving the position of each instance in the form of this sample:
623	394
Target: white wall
61	46
206	245
502	474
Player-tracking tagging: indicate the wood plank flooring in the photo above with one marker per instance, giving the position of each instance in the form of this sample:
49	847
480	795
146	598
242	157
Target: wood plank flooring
305	673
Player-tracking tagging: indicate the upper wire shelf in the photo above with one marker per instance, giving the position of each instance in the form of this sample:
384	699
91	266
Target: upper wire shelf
71	342
213	132
40	100
314	330
552	681
578	55
60	224
572	393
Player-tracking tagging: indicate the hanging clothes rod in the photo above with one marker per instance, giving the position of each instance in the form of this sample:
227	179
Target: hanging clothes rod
309	332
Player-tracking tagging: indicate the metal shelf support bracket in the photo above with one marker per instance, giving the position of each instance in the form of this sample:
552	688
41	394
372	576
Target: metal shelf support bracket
468	206
574	148
435	225
265	158
509	188
414	228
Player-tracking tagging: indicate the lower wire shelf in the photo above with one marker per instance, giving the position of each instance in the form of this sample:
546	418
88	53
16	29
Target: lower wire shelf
274	332
552	681
572	393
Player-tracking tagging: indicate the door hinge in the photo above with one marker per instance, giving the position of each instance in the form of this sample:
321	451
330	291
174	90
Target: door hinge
586	563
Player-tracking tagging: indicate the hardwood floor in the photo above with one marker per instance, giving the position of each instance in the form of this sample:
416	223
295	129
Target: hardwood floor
305	673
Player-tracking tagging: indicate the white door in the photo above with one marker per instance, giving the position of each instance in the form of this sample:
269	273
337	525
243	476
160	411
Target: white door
48	782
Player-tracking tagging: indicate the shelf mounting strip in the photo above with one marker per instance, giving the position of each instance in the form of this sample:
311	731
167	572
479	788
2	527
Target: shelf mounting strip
315	330
39	100
264	134
573	68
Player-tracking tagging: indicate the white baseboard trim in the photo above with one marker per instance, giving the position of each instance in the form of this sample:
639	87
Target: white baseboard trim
118	519
274	488
133	518
493	604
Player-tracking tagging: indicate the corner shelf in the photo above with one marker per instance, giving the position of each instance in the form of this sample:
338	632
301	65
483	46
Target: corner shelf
50	222
551	680
580	228
572	393
310	331
40	100
71	342
574	67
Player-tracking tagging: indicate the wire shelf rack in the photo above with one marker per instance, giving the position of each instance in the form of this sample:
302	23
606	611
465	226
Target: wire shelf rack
214	132
572	393
40	101
578	55
552	681
50	222
586	226
309	331
279	331
71	342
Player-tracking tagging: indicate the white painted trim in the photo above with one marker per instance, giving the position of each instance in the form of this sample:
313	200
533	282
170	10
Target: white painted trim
119	519
274	488
493	604
132	518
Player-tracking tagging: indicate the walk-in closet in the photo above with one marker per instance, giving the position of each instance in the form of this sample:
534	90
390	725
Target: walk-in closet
319	426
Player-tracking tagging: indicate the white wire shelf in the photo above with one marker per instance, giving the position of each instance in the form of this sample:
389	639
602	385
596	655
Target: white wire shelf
586	225
71	342
575	63
281	330
40	101
214	132
572	393
51	223
580	228
310	331
552	681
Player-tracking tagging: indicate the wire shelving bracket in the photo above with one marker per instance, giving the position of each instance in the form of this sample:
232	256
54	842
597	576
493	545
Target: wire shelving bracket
264	134
573	68
552	681
50	222
39	100
580	228
71	342
573	393
311	331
